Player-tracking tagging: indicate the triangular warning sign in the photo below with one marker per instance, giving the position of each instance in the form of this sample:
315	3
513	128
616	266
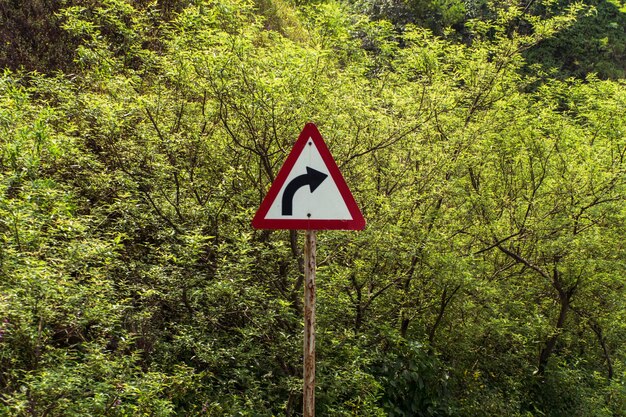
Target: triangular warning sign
309	192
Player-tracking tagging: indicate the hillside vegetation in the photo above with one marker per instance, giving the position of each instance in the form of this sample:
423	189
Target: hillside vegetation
484	141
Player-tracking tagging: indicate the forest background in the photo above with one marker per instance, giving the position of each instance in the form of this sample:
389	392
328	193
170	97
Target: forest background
483	140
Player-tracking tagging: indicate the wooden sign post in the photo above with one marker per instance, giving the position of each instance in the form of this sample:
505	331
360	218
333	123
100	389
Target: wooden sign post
309	193
308	397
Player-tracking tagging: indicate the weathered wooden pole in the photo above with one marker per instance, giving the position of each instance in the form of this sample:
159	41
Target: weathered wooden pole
308	404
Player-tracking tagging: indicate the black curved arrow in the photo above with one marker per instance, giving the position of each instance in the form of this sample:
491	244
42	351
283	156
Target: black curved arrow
313	178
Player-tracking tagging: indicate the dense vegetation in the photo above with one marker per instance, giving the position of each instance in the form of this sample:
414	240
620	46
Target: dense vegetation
484	142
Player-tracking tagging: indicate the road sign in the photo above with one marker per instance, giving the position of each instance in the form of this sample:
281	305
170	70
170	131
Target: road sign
309	192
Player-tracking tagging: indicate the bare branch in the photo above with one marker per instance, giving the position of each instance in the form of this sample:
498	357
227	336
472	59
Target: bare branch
524	261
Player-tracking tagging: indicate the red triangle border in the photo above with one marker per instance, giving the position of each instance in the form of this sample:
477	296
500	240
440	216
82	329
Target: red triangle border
357	223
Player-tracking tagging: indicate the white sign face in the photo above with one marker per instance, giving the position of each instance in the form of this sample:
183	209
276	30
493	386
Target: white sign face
309	192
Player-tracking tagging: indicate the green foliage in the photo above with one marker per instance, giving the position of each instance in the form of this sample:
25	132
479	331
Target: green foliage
32	37
414	381
487	282
433	14
595	44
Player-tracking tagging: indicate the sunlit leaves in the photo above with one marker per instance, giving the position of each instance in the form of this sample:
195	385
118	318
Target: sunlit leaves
133	283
